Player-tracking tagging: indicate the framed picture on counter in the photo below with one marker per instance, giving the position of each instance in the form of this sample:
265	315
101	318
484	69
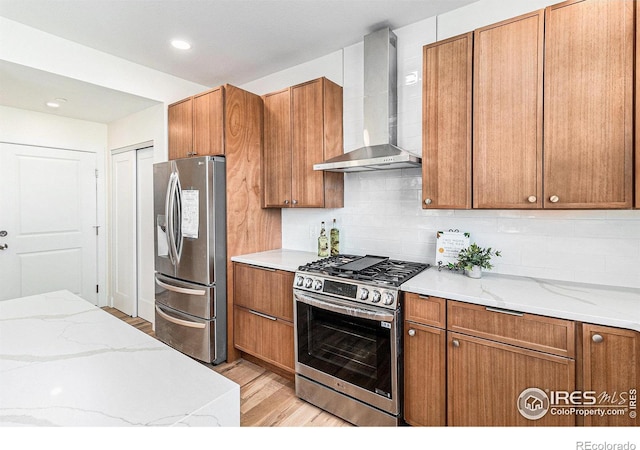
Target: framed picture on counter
448	245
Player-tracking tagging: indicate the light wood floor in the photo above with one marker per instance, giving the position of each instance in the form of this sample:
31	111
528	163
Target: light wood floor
266	399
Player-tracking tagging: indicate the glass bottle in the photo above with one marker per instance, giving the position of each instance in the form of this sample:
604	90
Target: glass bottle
334	236
323	242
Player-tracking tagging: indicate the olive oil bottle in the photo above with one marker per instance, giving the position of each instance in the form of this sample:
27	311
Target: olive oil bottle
323	242
334	236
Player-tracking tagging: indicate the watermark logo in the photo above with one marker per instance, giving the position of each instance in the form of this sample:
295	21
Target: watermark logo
533	403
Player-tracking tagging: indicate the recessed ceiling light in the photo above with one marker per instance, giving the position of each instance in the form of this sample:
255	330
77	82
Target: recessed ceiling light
181	45
56	102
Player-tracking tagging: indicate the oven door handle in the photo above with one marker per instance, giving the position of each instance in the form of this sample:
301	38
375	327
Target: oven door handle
341	308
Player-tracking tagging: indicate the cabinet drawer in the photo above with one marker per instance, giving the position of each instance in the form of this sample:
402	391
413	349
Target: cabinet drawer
264	337
266	290
545	334
425	309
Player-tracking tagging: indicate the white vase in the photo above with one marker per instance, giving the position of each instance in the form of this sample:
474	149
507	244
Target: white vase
475	272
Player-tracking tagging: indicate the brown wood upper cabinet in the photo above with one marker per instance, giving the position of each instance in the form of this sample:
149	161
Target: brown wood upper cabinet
302	127
553	111
588	104
196	125
446	123
507	113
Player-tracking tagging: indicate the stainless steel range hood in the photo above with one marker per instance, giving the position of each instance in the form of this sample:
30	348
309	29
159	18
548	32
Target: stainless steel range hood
380	113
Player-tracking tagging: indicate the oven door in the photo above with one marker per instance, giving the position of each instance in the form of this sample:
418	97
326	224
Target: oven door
349	348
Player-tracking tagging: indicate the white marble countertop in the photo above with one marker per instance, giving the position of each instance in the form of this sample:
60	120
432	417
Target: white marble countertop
603	305
280	259
65	362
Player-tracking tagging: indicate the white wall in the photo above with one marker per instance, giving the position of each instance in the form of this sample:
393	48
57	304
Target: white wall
383	214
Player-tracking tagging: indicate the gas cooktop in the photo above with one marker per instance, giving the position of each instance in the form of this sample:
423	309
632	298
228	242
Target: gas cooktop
377	270
371	280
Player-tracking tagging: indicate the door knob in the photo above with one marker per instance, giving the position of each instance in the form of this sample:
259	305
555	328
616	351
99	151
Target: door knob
412	332
554	199
3	246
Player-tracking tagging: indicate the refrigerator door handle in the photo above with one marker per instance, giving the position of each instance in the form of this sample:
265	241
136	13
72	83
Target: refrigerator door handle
180	290
184	323
169	208
178	238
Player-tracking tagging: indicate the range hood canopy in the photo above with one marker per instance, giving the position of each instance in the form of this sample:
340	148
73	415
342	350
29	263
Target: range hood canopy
380	113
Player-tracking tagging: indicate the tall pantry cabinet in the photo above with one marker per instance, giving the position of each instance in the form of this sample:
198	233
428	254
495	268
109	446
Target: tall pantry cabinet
228	121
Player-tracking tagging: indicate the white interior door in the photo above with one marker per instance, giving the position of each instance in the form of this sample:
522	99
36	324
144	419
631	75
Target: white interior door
145	224
132	261
123	234
47	221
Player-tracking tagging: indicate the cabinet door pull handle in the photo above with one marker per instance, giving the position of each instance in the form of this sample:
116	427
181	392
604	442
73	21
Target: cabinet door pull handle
412	332
295	202
456	343
532	199
427	201
554	199
504	311
262	315
268	269
597	338
286	202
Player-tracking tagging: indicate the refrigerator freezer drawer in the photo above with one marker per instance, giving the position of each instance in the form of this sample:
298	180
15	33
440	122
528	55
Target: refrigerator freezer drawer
190	335
193	299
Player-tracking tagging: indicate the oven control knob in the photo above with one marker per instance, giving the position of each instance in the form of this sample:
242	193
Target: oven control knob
388	298
317	285
299	280
308	282
376	297
364	294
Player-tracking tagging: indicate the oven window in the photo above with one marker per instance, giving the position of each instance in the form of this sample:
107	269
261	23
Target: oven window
349	348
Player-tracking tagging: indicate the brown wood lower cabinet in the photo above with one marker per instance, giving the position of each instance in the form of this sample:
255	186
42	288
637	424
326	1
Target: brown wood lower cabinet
611	370
486	378
264	337
425	360
263	314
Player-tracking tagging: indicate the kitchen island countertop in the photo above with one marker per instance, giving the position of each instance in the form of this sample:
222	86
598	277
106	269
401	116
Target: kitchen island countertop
590	303
65	362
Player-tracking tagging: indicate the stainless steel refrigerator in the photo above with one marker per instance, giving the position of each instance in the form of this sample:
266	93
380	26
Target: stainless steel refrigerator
190	256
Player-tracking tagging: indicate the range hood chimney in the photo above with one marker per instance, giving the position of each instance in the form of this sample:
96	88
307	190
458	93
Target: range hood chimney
380	113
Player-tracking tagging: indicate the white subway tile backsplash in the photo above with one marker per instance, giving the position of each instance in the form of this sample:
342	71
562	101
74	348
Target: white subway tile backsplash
383	213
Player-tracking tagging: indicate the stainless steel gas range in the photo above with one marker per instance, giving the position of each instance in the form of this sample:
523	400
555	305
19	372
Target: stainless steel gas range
348	332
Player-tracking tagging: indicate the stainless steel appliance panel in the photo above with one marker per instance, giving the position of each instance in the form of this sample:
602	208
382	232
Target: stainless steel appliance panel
190	211
190	335
341	405
349	348
193	299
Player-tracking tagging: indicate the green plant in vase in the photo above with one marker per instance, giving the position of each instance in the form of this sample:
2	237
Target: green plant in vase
474	259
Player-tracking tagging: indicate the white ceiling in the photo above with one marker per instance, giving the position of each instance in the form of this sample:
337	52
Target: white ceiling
233	41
